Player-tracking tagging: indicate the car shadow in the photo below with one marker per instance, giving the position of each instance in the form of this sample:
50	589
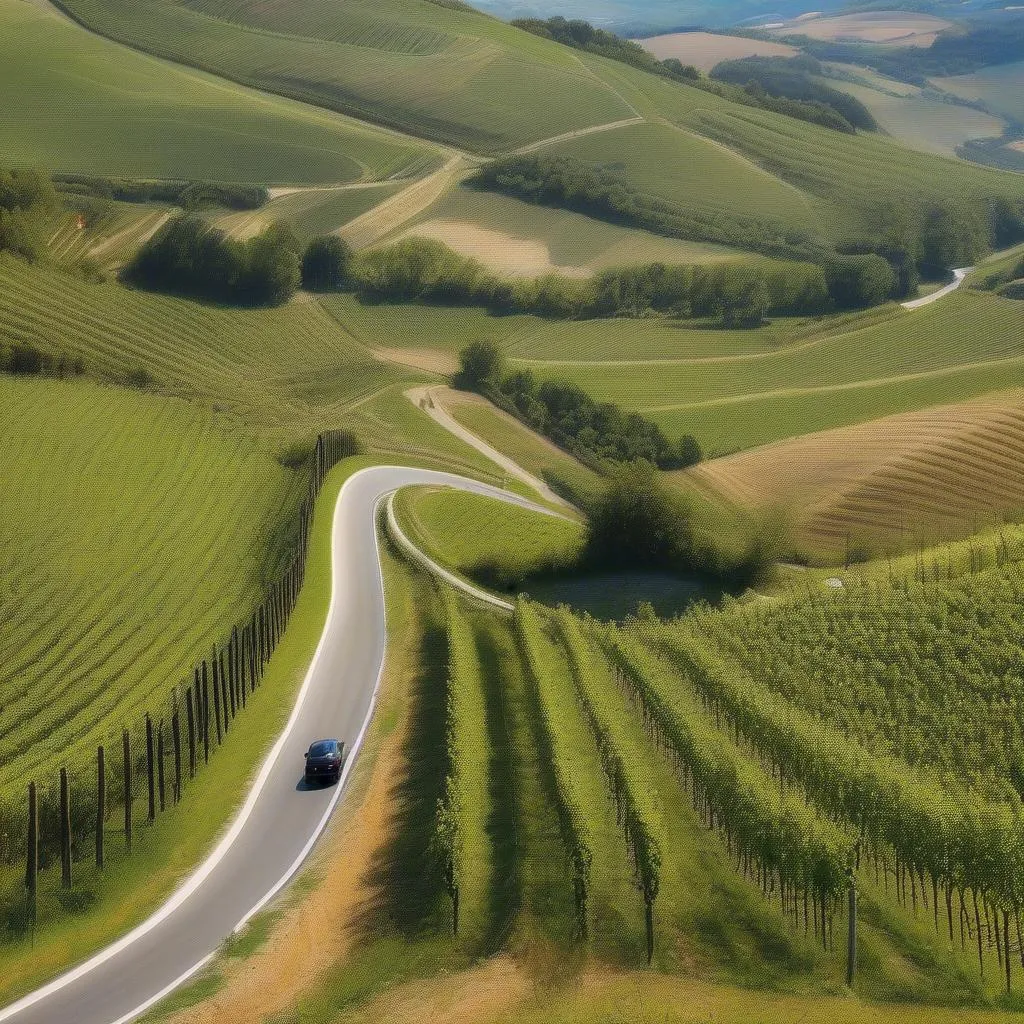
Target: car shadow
302	786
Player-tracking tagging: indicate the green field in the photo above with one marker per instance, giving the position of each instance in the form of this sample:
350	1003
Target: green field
480	538
690	170
923	121
428	69
840	377
851	182
310	212
565	240
74	102
1001	88
96	636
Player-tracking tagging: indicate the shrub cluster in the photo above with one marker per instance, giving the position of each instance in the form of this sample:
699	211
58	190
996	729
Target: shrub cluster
188	257
24	360
27	199
639	522
190	195
797	78
594	432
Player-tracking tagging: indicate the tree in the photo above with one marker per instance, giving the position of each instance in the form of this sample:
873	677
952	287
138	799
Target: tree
857	281
482	366
326	264
745	301
638	523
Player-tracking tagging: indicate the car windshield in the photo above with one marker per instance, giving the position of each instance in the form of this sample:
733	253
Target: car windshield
322	748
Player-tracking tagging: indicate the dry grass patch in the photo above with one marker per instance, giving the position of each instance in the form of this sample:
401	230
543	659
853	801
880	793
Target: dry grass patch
496	250
706	49
430	359
898	28
887	484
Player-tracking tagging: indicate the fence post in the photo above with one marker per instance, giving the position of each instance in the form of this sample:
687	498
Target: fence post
228	713
216	702
190	724
126	748
150	777
160	762
32	853
176	740
851	934
206	718
65	830
101	803
229	683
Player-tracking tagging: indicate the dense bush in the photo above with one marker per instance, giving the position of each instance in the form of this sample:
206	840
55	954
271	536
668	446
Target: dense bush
856	281
24	360
190	195
27	200
188	257
326	264
796	78
639	522
595	432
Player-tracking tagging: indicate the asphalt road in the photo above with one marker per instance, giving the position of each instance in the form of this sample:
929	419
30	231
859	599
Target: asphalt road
281	819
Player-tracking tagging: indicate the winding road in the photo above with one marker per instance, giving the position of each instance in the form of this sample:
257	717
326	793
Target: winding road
277	826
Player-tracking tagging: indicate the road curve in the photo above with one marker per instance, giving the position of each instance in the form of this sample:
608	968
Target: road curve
280	821
958	279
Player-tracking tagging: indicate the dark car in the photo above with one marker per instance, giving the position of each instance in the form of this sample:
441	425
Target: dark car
323	761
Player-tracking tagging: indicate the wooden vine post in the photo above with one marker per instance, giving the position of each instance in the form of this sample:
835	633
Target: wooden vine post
160	763
176	740
851	933
150	775
190	722
101	803
65	830
126	747
32	852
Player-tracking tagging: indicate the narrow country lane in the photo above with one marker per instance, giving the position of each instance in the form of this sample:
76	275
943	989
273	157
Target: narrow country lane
280	821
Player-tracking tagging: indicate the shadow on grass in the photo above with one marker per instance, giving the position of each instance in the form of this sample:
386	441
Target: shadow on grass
406	886
505	893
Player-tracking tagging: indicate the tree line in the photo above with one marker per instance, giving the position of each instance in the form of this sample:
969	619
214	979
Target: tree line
797	78
594	432
189	195
156	757
741	293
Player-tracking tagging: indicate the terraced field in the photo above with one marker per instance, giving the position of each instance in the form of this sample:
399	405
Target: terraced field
75	102
851	182
888	484
292	370
692	171
428	69
964	346
122	561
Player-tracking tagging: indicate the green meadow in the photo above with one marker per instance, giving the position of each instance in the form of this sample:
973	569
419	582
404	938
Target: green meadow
76	102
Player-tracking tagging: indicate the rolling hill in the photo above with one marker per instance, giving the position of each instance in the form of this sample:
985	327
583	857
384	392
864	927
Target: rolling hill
75	102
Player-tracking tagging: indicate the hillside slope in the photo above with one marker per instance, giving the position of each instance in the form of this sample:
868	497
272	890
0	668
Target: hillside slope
433	70
75	102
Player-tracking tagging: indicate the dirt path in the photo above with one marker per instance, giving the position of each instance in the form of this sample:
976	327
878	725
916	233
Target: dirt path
429	398
958	279
280	191
578	134
390	215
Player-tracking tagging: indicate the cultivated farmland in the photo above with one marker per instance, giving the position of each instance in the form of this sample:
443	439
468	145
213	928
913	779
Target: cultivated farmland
704	50
430	70
75	102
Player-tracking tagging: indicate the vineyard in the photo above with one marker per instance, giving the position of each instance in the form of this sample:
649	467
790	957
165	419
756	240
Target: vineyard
850	759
